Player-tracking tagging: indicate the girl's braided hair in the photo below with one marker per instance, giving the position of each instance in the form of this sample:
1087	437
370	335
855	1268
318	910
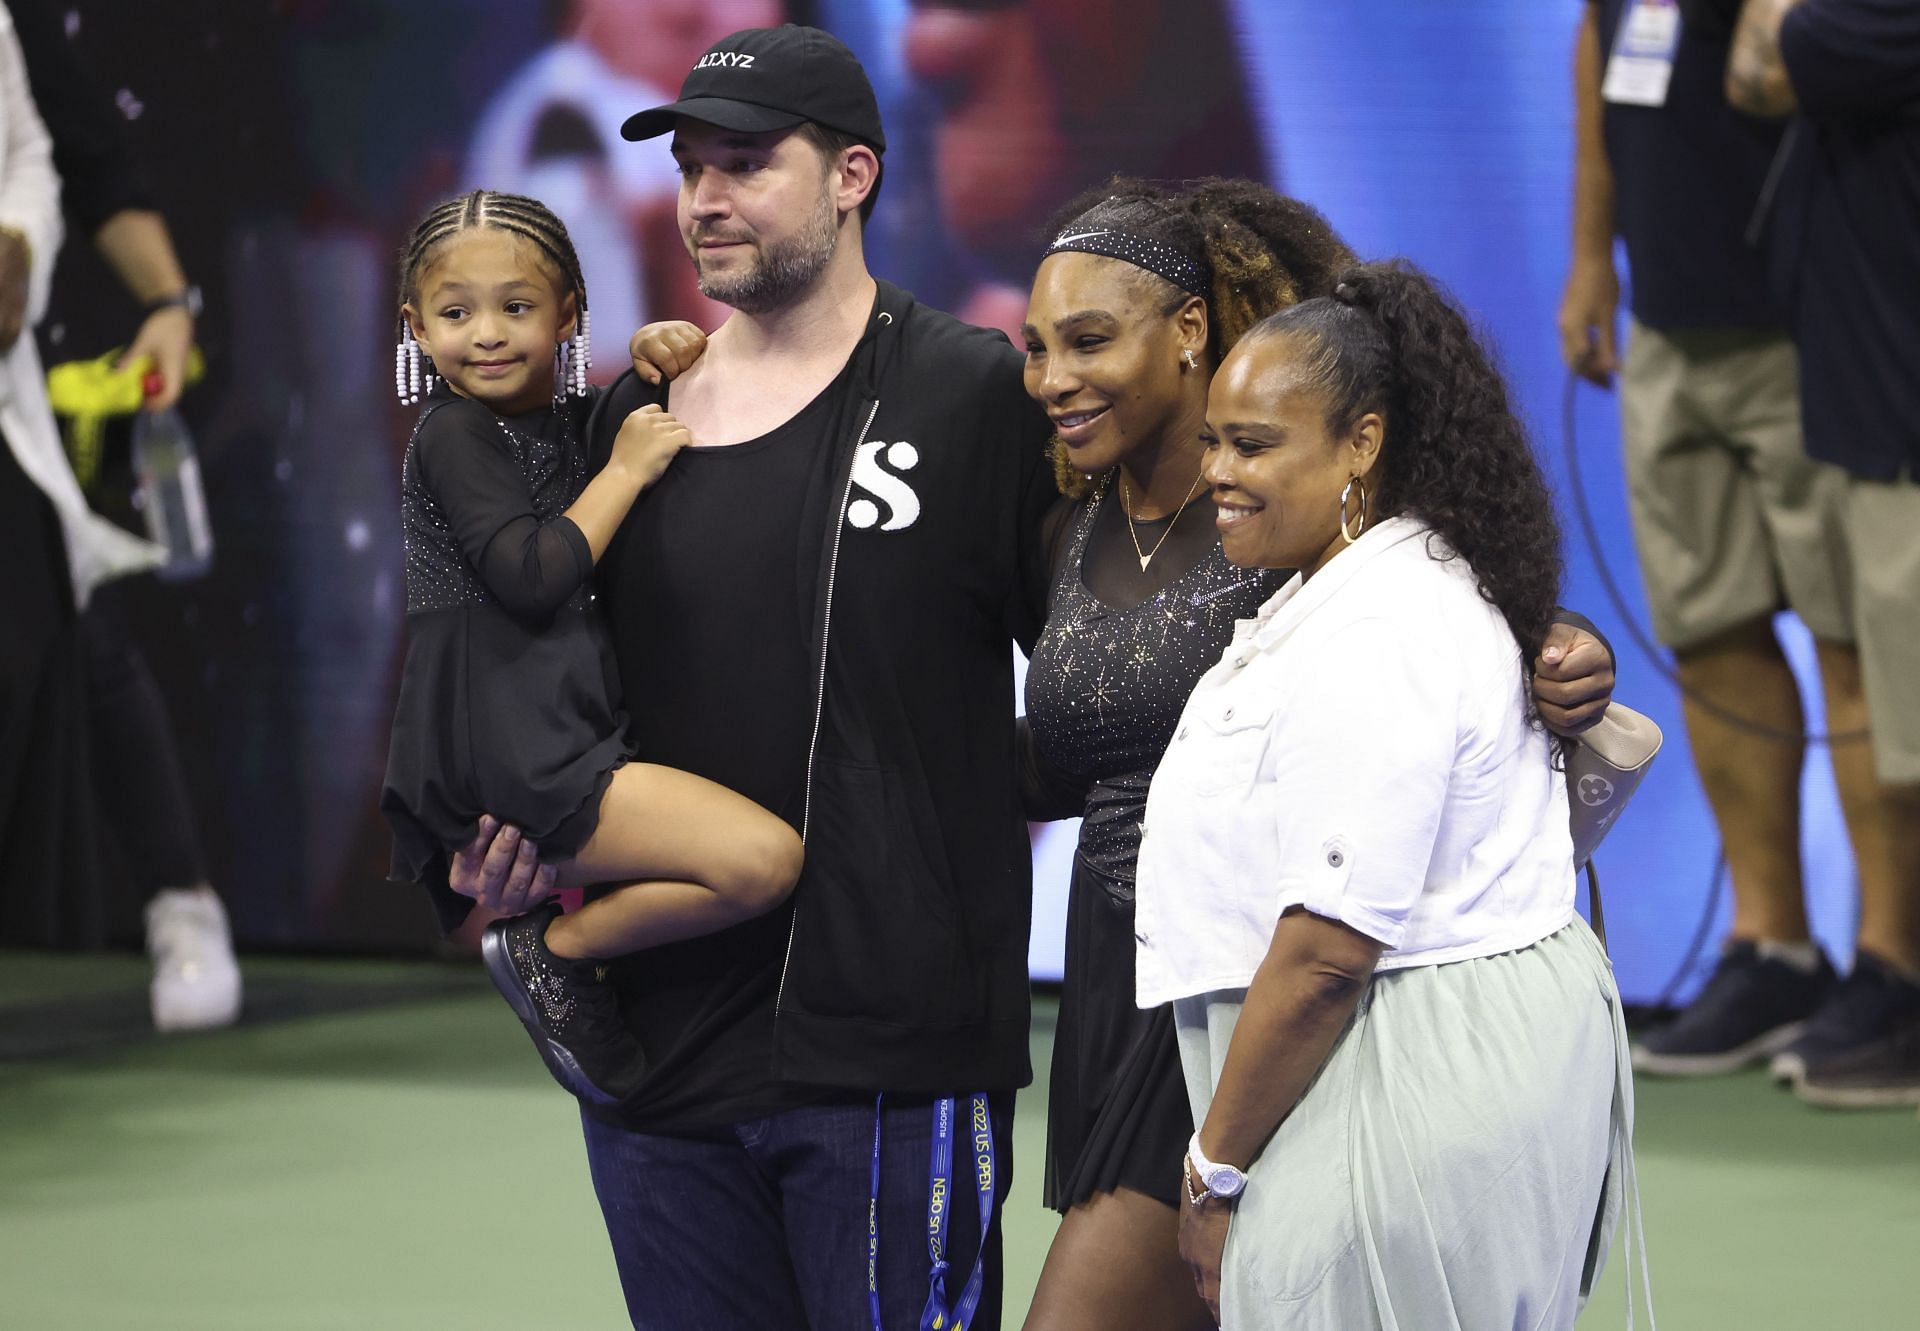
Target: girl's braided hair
527	218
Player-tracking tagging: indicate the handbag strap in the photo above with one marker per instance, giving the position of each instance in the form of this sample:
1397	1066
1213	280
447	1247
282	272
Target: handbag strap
1596	915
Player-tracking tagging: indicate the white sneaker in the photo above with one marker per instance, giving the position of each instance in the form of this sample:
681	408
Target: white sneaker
196	981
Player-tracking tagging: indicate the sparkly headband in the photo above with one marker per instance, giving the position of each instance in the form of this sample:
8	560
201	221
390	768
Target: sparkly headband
1140	251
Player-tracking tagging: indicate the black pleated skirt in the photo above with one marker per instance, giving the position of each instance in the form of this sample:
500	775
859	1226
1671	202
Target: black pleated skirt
1117	1112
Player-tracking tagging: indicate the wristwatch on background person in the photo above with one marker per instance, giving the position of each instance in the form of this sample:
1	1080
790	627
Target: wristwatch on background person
1223	1182
187	298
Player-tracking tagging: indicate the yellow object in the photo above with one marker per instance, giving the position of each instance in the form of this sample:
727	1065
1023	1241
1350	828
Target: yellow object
86	393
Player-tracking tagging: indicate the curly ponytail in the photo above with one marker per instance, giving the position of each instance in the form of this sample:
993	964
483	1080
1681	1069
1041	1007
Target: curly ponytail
1390	340
1267	252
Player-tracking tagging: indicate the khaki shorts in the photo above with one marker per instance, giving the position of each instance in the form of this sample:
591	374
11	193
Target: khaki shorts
1883	529
1732	520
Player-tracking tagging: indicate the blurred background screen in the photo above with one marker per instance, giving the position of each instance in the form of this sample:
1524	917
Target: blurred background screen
293	145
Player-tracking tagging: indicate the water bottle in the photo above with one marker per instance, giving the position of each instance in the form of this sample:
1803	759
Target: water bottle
170	495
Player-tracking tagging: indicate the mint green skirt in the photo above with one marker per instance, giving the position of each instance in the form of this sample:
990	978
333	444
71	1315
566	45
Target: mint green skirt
1459	1164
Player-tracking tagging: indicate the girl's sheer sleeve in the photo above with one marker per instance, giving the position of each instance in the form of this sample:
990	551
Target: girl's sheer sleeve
531	568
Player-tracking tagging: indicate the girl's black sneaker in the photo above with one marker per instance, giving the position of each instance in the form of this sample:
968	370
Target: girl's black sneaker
568	1007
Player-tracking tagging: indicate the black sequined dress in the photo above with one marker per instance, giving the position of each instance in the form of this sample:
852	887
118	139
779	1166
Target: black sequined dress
509	698
1105	688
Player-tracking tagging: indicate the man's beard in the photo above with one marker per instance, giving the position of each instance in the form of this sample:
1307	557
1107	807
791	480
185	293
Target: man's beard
781	271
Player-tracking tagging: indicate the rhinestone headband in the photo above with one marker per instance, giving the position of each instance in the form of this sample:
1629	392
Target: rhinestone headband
1140	251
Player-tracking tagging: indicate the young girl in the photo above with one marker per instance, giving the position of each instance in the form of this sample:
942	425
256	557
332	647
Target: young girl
509	704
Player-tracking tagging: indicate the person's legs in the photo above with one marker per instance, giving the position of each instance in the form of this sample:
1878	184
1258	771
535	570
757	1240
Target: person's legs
1702	416
49	880
1883	821
821	1158
1863	1048
1751	779
1732	522
138	778
696	1229
141	790
713	857
1884	523
1115	1266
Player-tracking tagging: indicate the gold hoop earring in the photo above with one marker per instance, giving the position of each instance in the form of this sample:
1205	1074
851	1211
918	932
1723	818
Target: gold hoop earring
1353	534
1188	359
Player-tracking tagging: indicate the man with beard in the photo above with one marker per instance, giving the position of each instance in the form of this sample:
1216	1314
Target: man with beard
816	606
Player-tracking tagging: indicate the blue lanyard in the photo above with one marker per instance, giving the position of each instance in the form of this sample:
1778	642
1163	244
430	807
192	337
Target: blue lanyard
873	1223
939	1315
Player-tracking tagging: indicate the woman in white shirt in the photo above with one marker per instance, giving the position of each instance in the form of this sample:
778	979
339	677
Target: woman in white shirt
1403	1048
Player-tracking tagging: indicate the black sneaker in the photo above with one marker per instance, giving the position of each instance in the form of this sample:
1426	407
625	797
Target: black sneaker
1862	1050
568	1007
1854	1013
1752	1007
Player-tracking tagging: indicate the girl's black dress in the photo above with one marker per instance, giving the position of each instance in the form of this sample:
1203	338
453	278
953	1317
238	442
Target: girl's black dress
509	701
1122	649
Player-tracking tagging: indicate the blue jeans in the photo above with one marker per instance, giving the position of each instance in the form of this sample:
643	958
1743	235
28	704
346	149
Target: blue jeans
764	1225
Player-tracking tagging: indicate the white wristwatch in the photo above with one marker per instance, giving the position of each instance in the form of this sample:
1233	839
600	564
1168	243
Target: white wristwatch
1221	1181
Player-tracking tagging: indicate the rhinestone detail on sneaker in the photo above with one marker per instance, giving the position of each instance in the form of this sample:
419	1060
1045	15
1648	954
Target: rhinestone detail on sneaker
547	986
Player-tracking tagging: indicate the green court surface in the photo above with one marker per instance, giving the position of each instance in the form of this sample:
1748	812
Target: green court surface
377	1146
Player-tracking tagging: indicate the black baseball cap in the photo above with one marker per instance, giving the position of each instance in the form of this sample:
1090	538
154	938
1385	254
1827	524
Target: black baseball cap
762	79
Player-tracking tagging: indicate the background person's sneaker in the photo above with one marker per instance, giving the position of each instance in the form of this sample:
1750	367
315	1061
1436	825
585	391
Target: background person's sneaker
1862	1049
196	979
568	1007
1753	1006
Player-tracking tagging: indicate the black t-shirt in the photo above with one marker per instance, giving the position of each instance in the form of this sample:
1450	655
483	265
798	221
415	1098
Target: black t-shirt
711	635
1847	243
99	174
1687	177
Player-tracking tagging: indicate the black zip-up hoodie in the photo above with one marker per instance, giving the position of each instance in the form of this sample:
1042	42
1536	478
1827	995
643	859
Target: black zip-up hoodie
906	966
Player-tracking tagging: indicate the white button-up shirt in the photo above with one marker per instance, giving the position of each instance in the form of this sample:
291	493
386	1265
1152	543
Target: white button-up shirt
1363	750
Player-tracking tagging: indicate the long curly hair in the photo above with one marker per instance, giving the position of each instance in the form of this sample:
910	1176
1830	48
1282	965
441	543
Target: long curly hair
1390	340
1260	251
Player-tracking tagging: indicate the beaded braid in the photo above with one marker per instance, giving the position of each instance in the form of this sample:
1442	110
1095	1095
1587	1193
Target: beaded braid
525	217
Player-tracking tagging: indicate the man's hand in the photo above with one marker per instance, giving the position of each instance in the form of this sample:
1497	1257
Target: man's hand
1589	310
1572	679
16	259
666	350
165	340
1203	1245
501	869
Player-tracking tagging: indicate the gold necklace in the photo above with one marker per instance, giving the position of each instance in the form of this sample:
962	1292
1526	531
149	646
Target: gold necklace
1126	508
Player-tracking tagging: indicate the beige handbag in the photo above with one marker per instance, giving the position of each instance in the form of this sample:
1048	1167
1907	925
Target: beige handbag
1604	767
